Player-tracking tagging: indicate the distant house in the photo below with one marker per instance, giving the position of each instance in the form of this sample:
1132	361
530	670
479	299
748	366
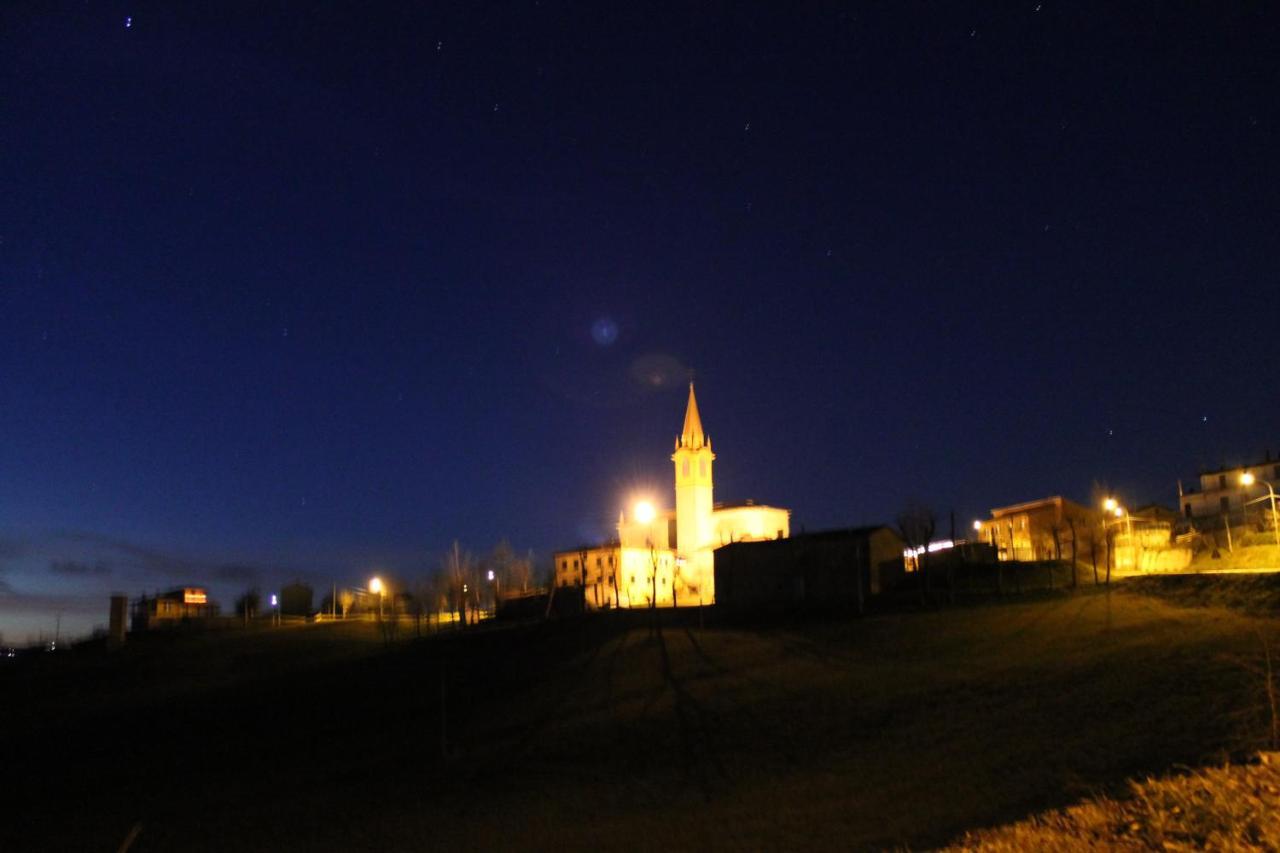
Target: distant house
1039	529
172	608
1221	494
826	570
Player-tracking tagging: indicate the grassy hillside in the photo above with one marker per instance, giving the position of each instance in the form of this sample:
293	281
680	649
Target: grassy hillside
895	729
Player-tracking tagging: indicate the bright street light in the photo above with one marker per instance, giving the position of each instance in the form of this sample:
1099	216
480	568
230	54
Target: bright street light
644	512
1110	505
977	525
1247	479
375	587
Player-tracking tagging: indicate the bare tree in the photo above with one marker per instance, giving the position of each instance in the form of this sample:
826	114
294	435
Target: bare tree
916	524
501	561
520	573
247	605
1055	532
1110	535
458	569
1071	525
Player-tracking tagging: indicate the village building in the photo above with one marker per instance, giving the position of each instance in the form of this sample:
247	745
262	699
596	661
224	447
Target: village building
172	608
664	557
1223	493
1038	530
832	569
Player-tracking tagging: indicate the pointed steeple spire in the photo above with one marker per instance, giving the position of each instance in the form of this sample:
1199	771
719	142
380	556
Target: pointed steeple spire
692	435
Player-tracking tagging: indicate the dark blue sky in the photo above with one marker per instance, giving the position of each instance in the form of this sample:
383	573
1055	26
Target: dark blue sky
297	291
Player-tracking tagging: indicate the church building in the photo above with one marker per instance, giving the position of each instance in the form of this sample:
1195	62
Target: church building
664	556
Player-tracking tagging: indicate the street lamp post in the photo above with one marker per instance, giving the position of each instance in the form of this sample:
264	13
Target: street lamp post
497	589
1247	479
1114	507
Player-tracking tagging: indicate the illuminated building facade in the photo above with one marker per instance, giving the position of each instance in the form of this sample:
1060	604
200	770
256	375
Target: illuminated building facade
1027	531
1223	493
184	603
663	557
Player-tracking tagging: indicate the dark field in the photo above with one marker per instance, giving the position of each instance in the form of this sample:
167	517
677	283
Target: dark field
894	729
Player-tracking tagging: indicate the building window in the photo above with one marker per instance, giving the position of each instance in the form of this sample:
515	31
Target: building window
1222	481
1225	503
599	562
779	536
1187	510
685	468
575	564
702	467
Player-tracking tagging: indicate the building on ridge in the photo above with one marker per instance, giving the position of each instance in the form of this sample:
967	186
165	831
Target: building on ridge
663	557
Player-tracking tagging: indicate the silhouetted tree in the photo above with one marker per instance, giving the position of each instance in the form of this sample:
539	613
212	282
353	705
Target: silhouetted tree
1071	525
1055	533
916	525
521	573
248	604
458	569
295	599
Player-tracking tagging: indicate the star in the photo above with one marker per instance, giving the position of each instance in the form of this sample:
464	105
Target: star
128	22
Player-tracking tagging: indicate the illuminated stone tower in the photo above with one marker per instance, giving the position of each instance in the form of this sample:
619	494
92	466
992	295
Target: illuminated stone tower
695	528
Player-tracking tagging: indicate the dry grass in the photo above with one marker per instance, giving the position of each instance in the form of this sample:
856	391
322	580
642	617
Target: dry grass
1227	808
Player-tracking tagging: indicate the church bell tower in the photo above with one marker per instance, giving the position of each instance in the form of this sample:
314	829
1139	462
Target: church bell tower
694	531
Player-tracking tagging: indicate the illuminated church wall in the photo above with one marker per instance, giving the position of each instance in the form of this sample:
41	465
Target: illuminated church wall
647	560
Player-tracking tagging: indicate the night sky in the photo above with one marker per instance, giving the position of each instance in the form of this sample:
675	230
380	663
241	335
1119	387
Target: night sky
311	290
